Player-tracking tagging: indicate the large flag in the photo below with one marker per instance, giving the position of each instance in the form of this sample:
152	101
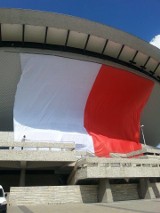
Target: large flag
96	106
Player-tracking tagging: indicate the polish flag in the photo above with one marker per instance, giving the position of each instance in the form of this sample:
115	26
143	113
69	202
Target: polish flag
96	106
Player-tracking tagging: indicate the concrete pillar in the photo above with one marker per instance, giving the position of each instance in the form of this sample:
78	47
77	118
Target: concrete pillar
22	173
104	191
156	187
22	177
145	189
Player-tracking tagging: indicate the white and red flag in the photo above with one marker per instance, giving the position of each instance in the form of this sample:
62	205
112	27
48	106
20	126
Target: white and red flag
96	106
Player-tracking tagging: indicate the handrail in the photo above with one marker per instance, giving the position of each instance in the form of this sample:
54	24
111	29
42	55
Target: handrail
144	150
29	144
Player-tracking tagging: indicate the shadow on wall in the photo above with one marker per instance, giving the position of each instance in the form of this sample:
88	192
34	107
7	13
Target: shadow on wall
151	118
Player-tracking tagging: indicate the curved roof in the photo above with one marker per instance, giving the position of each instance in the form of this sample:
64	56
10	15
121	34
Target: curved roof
25	28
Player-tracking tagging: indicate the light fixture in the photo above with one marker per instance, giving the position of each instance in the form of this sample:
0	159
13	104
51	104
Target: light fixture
143	134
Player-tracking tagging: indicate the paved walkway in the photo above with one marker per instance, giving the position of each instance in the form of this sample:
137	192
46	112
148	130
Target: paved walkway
136	206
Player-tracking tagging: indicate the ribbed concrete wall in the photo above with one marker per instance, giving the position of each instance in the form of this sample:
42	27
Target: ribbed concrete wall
73	194
52	195
124	192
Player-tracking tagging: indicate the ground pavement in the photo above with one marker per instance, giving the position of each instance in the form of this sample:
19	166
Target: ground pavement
136	206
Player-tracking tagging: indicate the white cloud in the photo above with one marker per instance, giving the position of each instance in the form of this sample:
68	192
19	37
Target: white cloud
156	41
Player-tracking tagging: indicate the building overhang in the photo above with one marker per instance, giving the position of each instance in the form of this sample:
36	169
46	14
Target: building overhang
42	30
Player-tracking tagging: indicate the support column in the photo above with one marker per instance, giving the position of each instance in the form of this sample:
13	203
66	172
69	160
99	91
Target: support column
22	177
156	187
145	189
104	191
23	173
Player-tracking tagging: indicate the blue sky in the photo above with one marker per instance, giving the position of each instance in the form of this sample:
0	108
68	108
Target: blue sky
137	17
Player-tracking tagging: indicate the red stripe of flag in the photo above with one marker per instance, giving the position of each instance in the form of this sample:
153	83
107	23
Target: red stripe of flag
113	108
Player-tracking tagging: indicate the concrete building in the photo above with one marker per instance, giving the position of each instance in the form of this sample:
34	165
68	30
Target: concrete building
39	54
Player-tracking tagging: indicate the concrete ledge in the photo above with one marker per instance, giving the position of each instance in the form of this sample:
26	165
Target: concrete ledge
94	167
151	151
35	155
38	144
